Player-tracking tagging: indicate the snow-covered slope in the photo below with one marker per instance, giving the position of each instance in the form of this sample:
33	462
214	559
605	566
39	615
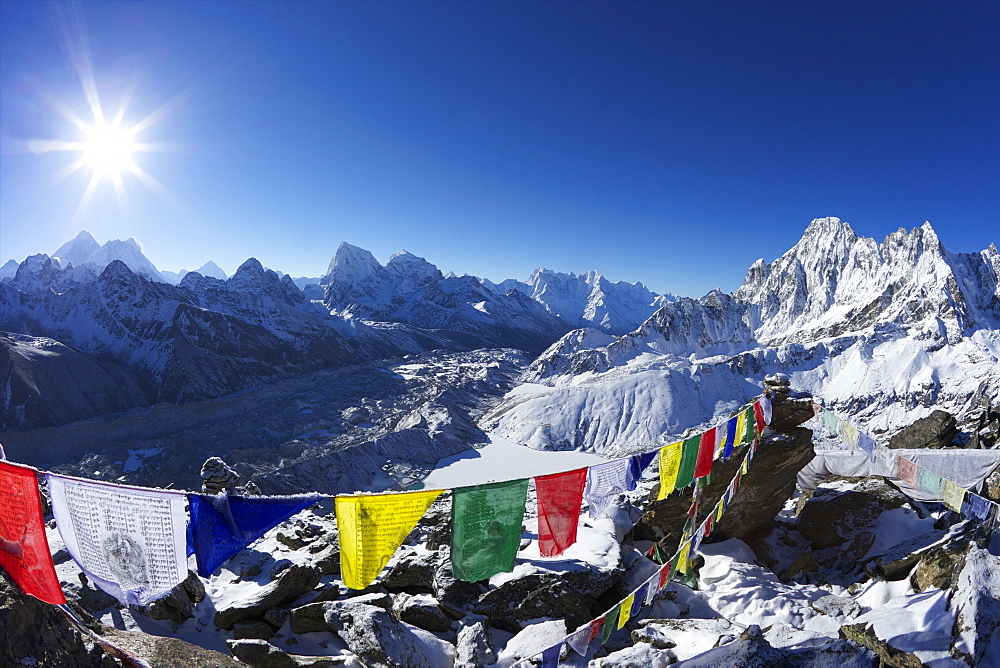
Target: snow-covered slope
885	332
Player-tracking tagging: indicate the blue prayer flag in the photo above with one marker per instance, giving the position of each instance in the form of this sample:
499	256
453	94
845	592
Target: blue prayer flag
730	439
550	657
223	525
638	463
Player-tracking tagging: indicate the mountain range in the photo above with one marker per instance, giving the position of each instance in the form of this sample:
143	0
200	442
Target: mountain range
885	332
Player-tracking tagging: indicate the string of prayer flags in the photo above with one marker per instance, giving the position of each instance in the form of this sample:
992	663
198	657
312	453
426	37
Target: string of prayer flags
606	480
830	421
867	444
682	557
741	429
730	438
130	541
24	549
625	610
486	528
906	470
670	462
706	453
559	497
689	460
638	464
751	433
223	525
372	527
930	482
953	495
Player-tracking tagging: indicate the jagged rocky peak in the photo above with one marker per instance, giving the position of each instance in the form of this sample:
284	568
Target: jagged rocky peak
833	282
351	264
253	278
8	270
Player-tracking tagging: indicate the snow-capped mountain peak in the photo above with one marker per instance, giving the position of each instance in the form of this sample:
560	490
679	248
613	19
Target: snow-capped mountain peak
212	270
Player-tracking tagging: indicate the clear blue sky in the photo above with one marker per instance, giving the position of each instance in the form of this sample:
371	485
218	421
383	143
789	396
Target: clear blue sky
670	143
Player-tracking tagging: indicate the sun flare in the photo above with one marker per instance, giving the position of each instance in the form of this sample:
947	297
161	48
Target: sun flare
108	149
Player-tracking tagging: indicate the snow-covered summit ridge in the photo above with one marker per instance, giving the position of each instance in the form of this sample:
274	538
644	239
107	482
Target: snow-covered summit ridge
834	282
84	251
885	332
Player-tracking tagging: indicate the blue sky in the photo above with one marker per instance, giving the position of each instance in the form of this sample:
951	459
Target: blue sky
670	143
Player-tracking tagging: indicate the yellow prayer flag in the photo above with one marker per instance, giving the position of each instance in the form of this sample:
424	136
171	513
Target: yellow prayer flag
745	466
372	528
953	496
741	428
625	610
682	558
718	510
670	464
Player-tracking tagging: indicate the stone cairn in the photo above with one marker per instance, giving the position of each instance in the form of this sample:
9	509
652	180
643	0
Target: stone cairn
217	476
779	385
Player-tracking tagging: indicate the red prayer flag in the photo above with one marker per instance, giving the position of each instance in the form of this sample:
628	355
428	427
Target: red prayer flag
559	498
24	549
595	628
758	416
706	451
664	575
907	471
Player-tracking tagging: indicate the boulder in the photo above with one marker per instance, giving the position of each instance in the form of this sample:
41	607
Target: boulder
938	569
260	654
976	602
164	651
937	430
413	572
474	647
543	594
35	633
421	611
831	516
252	630
456	597
292	583
179	604
380	640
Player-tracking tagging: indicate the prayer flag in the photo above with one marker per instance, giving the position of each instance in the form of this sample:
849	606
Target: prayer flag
652	588
719	509
830	421
976	506
670	462
682	557
610	620
550	657
664	575
730	441
559	496
625	610
741	429
372	527
906	470
851	434
130	541
605	481
750	433
706	451
867	444
24	549
930	482
953	496
745	466
486	528
638	464
758	415
580	639
223	525
765	407
689	459
637	599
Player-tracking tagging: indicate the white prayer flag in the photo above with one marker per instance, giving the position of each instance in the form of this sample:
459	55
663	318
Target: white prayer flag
605	480
131	542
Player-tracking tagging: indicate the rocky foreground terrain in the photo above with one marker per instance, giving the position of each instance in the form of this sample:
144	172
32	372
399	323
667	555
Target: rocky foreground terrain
854	573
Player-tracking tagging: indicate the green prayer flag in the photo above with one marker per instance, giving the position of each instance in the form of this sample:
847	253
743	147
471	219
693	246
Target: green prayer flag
689	457
486	528
610	620
751	426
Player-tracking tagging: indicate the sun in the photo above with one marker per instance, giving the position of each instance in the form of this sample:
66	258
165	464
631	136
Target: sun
108	150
